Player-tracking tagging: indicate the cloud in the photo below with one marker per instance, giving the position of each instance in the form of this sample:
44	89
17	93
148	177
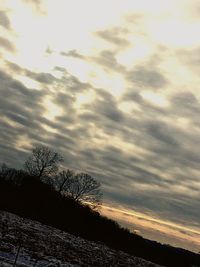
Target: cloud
4	20
42	77
147	77
37	4
185	103
186	99
20	115
45	78
106	107
72	53
190	58
168	205
163	133
115	36
107	59
6	44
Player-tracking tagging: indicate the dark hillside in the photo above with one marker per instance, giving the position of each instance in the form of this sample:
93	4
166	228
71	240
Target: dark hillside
31	198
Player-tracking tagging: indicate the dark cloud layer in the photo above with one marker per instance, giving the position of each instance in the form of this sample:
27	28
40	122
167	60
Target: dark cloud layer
20	108
44	78
145	160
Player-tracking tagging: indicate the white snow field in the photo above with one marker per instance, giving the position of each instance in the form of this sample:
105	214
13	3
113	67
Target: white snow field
39	245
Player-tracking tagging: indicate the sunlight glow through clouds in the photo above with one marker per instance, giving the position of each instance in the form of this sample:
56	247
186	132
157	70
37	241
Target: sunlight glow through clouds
23	143
76	67
30	83
48	128
129	107
52	110
73	35
151	219
147	222
154	98
83	99
136	53
114	83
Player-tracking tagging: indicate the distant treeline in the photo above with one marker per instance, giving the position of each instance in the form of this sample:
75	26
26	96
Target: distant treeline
36	198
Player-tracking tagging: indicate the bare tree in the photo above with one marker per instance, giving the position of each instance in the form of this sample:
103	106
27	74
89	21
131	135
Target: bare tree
64	180
43	162
85	189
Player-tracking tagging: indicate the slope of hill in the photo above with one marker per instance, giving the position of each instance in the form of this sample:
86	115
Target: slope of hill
33	199
42	245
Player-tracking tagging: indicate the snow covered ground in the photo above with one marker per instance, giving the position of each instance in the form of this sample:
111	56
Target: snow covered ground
40	245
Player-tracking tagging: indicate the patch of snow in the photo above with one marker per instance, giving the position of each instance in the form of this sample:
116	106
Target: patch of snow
40	245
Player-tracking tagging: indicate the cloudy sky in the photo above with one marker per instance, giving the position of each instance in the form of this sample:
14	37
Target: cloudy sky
113	85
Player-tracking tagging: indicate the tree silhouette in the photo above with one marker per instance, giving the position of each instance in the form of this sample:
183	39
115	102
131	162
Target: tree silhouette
11	174
83	188
43	162
64	180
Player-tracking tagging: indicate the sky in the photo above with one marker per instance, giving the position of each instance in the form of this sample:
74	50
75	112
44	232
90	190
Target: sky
113	86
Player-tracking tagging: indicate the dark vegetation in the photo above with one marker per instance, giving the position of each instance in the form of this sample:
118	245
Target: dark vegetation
39	196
